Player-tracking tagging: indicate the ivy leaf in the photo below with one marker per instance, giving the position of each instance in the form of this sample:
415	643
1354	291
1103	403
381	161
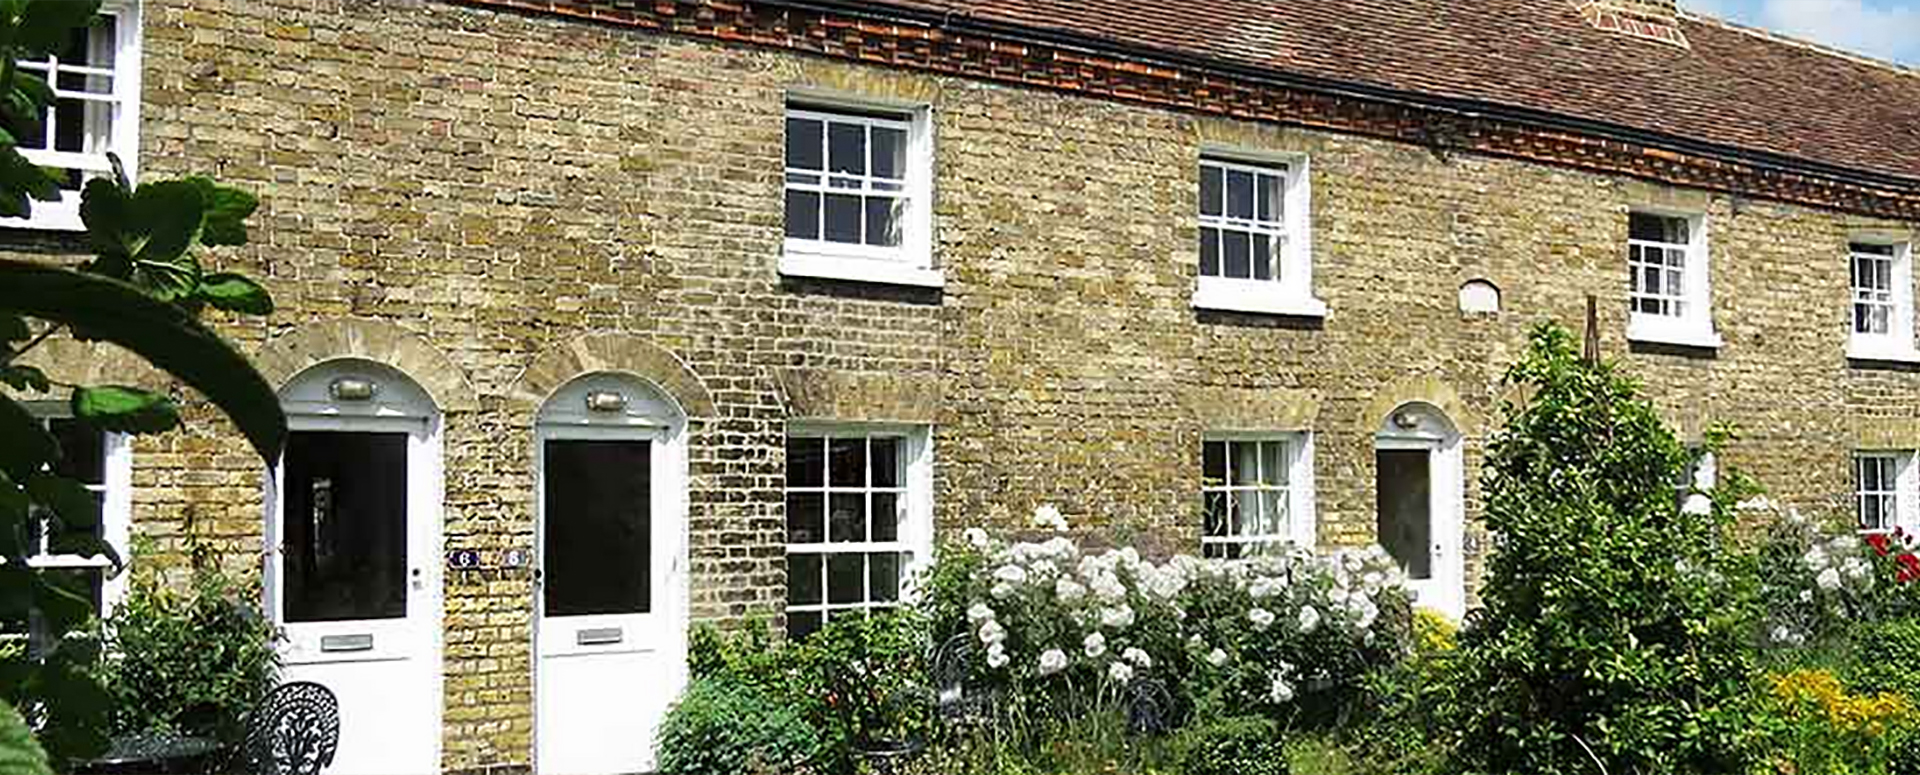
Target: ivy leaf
19	753
167	336
124	409
46	27
28	446
227	209
23	377
235	293
69	499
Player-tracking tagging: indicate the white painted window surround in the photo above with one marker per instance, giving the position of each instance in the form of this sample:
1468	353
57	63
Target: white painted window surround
1256	237
1886	490
96	111
103	463
1881	319
859	502
1670	299
1256	493
859	192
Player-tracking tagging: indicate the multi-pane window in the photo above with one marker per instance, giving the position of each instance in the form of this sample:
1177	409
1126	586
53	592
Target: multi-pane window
1658	249
1250	495
848	181
852	531
95	85
1873	289
1242	220
1877	491
91	458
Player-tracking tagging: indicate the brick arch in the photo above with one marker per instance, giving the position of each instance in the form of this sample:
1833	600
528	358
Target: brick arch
556	366
310	345
1425	390
90	363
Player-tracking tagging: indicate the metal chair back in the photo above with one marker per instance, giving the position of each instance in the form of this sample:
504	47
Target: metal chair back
295	731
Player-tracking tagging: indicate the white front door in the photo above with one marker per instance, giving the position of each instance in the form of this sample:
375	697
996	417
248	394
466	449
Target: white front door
1418	498
609	653
354	579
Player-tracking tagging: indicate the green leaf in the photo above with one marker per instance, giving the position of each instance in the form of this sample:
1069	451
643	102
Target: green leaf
125	409
21	181
235	293
165	218
162	333
24	377
19	754
104	207
46	27
83	544
28	447
68	499
13	328
21	107
227	209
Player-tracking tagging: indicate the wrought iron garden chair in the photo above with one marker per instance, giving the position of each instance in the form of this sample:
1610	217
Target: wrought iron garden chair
295	731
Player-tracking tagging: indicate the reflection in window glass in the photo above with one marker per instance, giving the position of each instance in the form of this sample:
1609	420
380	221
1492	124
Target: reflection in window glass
598	545
1246	495
1406	509
345	526
846	499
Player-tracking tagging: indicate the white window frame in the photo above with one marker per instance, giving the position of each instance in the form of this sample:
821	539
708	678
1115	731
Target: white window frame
911	262
123	138
1694	326
1904	496
116	512
1290	291
916	496
1302	528
1896	343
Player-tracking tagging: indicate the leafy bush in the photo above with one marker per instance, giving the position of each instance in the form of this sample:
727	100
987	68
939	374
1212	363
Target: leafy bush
191	661
725	727
1822	727
1613	631
1247	745
1886	654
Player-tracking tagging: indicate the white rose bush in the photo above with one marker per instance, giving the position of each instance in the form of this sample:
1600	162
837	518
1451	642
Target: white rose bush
1054	628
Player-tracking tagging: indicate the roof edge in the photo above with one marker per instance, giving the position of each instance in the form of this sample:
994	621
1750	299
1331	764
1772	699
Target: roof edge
1789	40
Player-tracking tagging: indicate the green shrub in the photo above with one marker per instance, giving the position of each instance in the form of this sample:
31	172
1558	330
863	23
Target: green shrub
191	660
1885	656
1248	745
724	727
1614	631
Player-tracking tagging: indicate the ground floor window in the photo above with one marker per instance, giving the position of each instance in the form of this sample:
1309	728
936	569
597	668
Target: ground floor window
1883	490
1255	494
102	463
859	518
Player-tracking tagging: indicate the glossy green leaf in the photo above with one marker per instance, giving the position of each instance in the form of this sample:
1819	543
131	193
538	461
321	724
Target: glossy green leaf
164	334
13	328
166	219
83	544
24	377
28	446
22	181
46	27
125	409
235	293
20	754
21	106
68	499
227	209
104	207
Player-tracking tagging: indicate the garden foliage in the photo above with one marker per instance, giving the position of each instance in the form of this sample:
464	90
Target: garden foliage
1242	745
722	726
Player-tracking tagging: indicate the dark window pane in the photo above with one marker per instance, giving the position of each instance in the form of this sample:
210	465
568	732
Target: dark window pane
73	541
1210	190
848	466
803	144
889	153
1209	252
1262	257
345	526
1239	250
83	451
847	148
889	468
1214	522
847	517
1245	462
1239	194
803	579
1657	228
599	522
1213	462
886	516
1243	511
803	214
883	573
806	461
883	227
1269	198
801	624
843	218
70	123
806	518
1405	513
846	579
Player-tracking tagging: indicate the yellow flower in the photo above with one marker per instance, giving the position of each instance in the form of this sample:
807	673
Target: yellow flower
1819	691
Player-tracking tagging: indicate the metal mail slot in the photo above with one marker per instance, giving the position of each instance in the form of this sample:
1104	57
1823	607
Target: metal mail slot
599	636
330	643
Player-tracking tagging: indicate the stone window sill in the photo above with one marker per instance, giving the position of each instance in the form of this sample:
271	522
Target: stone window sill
1674	332
1882	352
1258	297
860	270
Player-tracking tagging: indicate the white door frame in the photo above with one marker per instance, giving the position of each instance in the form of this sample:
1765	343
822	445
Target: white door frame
1421	426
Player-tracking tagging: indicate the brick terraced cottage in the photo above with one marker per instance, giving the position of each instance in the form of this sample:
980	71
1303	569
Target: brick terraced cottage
602	317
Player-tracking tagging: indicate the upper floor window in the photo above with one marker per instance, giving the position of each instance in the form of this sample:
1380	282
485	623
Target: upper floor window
1256	495
1255	250
1883	490
1882	281
858	196
95	111
1668	296
859	520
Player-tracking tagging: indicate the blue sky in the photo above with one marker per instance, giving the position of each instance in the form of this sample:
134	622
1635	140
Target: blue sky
1885	29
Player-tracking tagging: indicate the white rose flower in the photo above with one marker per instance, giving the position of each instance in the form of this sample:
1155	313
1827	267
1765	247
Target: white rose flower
1117	618
975	537
1781	634
1309	618
979	612
1119	672
1806	596
1049	517
1261	618
1003	590
1281	691
1815	559
1052	661
1068	590
997	656
1828	579
992	634
1366	612
1856	568
1011	574
1043	568
1138	657
1095	645
1217	657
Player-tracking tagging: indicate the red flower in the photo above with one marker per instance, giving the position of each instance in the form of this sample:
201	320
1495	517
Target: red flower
1879	543
1905	575
1909	561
